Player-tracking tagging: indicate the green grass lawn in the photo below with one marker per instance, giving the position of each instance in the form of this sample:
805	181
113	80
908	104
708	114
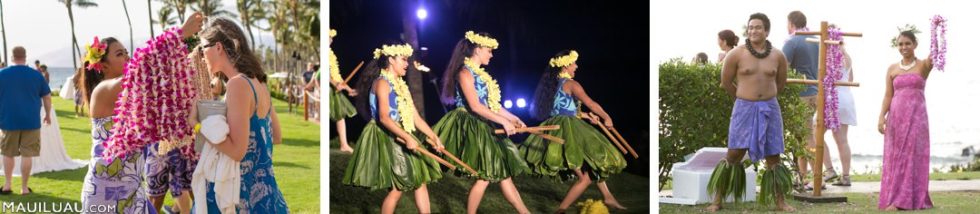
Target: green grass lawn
448	195
296	161
943	202
935	176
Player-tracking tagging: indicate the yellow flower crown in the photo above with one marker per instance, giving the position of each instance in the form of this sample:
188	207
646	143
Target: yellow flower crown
565	60
393	50
481	40
333	33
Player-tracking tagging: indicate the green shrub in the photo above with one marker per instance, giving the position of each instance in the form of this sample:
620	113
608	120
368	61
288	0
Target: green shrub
695	113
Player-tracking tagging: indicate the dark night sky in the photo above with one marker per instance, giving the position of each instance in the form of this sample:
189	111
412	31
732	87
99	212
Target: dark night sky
612	38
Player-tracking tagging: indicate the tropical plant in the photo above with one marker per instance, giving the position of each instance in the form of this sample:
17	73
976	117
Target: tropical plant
69	4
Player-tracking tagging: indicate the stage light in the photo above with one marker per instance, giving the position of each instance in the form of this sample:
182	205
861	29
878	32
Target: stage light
521	103
421	13
508	104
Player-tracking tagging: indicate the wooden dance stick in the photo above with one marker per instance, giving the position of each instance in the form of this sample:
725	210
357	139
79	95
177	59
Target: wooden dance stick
621	139
430	155
552	138
815	82
628	147
351	75
455	159
528	129
609	135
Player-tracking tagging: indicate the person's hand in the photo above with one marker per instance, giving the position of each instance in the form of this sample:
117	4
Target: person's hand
608	123
193	24
881	125
518	123
351	92
509	129
47	119
341	87
438	143
594	120
411	144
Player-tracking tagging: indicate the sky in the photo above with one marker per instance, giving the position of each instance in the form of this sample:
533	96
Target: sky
684	28
42	26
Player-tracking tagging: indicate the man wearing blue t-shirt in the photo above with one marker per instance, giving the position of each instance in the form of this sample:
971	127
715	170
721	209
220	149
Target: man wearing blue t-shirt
804	57
22	92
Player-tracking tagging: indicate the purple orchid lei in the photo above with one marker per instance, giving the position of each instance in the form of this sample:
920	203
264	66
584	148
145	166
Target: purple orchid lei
157	97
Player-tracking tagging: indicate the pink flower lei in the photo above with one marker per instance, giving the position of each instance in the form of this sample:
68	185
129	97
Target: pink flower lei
835	62
938	47
157	97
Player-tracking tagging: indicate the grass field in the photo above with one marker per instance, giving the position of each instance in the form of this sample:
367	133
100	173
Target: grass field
296	161
943	202
448	195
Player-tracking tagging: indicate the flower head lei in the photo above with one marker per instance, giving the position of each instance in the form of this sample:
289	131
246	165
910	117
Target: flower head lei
393	50
96	50
907	27
493	89
406	107
481	40
333	33
565	60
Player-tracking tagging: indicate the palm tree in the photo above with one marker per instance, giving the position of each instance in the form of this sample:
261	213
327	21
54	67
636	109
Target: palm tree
212	8
128	20
149	11
180	6
71	18
165	18
250	11
3	27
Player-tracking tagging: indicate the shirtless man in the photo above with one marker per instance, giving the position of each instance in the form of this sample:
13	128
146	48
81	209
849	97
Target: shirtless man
754	73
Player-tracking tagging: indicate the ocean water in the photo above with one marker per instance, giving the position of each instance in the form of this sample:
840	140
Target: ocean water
59	76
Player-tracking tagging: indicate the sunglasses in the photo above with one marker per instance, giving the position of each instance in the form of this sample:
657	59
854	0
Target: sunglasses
202	47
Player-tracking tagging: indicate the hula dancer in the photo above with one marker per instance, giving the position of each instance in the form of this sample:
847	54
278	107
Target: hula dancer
468	131
584	148
379	162
756	126
340	107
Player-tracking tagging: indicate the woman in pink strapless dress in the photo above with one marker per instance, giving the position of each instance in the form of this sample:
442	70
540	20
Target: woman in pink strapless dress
905	124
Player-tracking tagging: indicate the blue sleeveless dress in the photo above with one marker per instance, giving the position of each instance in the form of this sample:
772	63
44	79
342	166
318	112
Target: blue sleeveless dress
259	192
585	147
380	162
471	138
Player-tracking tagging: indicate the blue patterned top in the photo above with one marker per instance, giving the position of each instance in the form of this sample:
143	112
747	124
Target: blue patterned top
392	103
481	90
564	102
259	193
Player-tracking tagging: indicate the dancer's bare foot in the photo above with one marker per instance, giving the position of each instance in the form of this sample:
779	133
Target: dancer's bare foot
891	208
713	208
784	207
346	149
614	204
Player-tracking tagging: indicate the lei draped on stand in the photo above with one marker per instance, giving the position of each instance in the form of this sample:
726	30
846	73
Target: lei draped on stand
835	62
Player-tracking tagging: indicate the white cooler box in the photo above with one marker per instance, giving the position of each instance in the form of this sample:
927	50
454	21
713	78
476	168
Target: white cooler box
690	178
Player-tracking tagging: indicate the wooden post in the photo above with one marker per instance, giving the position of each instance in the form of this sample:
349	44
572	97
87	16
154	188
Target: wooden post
306	106
821	127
